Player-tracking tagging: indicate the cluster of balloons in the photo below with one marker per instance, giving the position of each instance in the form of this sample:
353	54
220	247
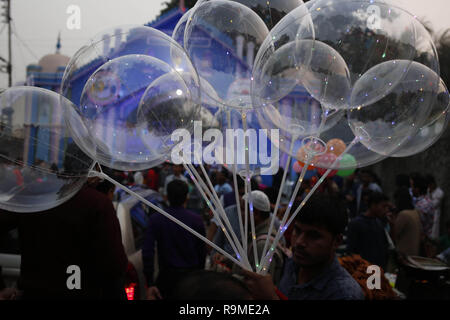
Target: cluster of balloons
346	83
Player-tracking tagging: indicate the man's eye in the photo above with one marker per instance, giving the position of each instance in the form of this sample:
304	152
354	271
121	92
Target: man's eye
314	235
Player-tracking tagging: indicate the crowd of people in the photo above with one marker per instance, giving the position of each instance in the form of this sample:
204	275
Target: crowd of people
345	216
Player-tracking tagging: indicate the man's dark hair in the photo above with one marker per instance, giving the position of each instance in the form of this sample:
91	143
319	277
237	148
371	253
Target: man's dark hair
420	183
403	200
402	180
177	192
430	179
264	214
105	187
375	197
210	285
324	211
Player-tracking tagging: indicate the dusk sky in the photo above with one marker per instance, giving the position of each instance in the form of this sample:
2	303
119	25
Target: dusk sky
37	23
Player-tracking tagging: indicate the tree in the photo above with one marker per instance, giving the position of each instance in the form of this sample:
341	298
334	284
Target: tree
443	48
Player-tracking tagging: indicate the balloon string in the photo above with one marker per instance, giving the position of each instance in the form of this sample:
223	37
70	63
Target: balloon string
268	257
218	204
225	217
280	193
249	189
288	210
195	177
236	190
94	173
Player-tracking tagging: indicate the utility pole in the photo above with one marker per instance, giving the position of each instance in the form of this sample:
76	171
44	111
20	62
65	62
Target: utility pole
7	15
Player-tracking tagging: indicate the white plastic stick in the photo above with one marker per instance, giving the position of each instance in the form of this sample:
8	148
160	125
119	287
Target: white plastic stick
277	204
237	251
167	215
288	210
283	227
249	190
236	190
218	204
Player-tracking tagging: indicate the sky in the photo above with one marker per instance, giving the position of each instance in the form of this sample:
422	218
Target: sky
37	23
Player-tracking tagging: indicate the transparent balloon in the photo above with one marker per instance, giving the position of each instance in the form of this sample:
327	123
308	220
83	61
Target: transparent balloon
297	116
386	124
178	31
108	107
271	12
107	78
319	68
275	75
40	164
166	107
365	34
432	130
222	39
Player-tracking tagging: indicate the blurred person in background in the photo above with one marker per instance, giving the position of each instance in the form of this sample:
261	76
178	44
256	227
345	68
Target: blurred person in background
177	174
83	231
423	204
179	251
407	226
366	233
436	195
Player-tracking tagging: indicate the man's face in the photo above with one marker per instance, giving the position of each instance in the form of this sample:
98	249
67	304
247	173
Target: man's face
177	170
312	245
365	178
381	209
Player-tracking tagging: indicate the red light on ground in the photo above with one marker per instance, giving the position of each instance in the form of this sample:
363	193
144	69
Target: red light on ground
130	291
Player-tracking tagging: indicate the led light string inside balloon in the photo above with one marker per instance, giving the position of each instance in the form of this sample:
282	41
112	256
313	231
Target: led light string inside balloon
280	193
248	189
236	190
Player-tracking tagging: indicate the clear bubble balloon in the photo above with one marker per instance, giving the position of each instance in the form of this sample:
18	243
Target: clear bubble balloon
40	164
432	130
386	75
383	126
178	31
315	65
165	107
233	33
107	78
297	116
271	12
109	109
365	34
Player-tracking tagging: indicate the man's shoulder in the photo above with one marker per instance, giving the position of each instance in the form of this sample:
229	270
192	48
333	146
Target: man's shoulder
194	217
343	286
357	221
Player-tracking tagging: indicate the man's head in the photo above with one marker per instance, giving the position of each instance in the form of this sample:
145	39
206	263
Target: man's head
431	182
207	285
318	230
378	204
177	169
403	200
221	178
261	206
419	185
366	177
177	192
